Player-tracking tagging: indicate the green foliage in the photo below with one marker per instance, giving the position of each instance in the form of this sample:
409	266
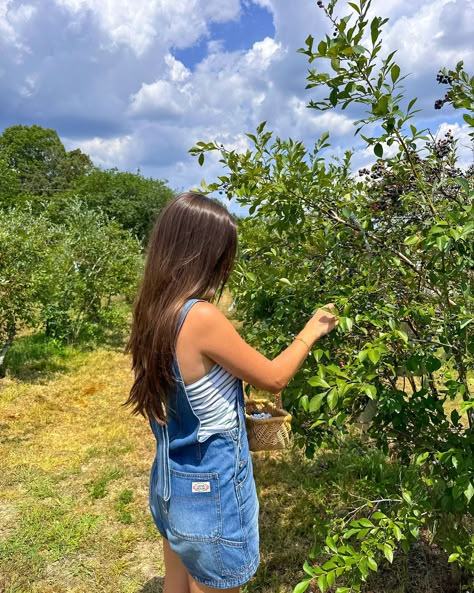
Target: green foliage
63	277
129	198
393	249
95	261
39	159
22	245
37	173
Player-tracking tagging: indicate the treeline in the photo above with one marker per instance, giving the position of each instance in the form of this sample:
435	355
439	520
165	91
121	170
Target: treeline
71	236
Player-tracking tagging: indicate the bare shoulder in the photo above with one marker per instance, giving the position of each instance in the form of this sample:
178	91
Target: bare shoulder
206	315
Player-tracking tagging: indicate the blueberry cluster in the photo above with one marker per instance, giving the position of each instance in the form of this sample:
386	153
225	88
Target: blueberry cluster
440	102
260	415
443	78
384	186
442	148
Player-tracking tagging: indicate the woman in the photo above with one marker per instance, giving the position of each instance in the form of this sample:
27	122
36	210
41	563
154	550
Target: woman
189	364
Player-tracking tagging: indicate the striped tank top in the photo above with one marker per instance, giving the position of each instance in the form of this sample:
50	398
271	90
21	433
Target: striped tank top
213	398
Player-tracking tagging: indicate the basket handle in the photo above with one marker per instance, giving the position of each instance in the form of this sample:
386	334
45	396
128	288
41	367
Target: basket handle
278	402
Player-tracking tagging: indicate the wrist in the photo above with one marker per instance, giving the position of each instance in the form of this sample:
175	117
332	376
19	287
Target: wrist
309	335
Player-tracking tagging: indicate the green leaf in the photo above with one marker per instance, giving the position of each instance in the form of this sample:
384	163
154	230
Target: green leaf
285	281
433	364
331	578
331	544
366	523
402	335
453	557
322	583
201	159
316	402
371	391
387	550
317	381
304	403
372	564
381	107
422	458
308	569
252	276
395	72
318	354
411	240
469	492
468	119
397	532
374	355
301	587
333	398
378	150
375	29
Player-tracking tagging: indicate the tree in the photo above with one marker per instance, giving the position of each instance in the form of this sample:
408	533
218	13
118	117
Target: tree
23	245
94	261
38	158
393	249
129	198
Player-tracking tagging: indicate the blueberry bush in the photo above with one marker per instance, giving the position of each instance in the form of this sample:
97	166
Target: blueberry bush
62	278
392	246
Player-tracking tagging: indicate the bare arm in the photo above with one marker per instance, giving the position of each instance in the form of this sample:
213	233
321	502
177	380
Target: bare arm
218	339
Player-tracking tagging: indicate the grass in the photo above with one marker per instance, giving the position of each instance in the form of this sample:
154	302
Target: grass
74	478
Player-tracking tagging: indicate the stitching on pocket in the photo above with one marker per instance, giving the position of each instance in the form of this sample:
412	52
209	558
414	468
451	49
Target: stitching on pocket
195	516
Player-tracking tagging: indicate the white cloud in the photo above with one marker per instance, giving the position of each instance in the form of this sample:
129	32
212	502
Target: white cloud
310	120
140	23
12	19
429	38
110	152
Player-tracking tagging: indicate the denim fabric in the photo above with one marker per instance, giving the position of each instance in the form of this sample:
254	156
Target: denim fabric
202	494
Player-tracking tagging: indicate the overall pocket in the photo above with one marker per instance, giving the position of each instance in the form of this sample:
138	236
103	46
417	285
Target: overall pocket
194	511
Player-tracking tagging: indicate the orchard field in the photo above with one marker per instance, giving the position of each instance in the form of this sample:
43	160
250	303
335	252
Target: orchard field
74	481
376	494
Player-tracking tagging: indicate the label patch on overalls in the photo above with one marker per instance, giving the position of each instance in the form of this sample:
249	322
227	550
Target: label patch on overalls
201	486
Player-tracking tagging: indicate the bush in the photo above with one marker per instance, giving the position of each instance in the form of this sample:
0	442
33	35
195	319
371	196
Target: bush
393	248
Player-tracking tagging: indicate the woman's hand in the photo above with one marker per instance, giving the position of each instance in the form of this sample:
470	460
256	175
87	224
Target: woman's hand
323	322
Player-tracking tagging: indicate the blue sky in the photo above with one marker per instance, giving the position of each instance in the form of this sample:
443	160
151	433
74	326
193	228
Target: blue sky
136	83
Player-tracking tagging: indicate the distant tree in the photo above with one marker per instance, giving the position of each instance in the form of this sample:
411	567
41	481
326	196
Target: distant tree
132	200
9	184
38	158
23	244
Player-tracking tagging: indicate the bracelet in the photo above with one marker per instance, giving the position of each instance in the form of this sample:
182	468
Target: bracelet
301	340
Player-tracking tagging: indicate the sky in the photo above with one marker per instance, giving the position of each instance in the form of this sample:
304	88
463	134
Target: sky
136	83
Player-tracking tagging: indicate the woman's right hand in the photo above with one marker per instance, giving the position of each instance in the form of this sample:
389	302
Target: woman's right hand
323	322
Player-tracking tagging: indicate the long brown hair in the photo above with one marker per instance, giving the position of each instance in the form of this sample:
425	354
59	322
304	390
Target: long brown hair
190	255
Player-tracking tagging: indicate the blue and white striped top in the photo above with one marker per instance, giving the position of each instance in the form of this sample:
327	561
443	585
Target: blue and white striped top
213	398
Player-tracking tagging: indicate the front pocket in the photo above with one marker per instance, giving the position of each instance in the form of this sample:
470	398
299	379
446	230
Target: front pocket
195	508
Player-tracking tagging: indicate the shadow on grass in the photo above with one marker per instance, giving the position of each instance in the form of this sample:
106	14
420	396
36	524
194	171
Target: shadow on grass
154	585
36	357
298	497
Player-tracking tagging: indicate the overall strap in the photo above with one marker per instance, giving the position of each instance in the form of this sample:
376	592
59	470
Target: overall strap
164	477
184	311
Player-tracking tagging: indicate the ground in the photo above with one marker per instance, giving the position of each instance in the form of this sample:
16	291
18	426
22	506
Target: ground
74	478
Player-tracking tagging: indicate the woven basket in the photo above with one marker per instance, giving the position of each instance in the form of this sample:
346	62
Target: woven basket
267	434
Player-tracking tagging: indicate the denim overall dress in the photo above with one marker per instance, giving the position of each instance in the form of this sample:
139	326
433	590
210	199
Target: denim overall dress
202	493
